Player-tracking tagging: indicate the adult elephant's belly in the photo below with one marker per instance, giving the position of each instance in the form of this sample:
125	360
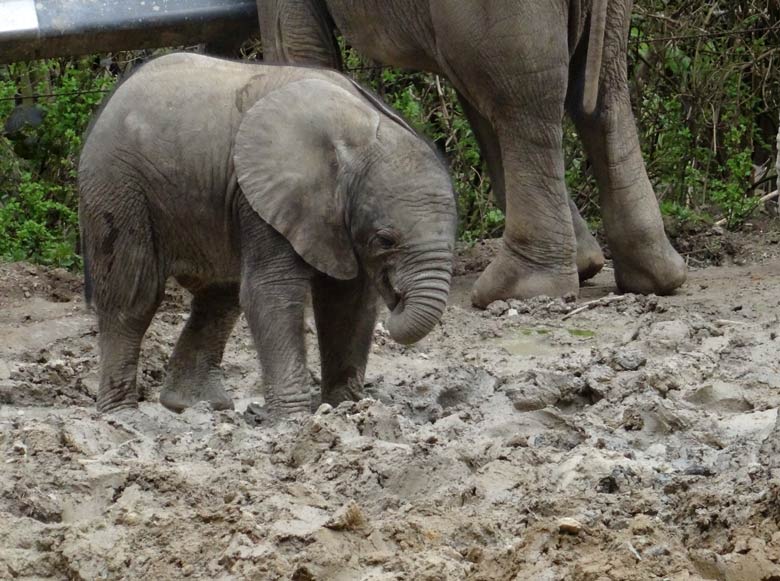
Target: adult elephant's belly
397	33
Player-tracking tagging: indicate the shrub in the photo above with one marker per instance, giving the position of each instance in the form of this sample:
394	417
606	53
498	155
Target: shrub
38	156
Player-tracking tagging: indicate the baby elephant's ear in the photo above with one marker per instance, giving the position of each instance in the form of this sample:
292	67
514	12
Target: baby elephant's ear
291	150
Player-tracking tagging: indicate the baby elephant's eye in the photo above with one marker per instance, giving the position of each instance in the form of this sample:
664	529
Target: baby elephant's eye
385	240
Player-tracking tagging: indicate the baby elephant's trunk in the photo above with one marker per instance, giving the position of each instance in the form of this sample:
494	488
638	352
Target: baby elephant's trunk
425	287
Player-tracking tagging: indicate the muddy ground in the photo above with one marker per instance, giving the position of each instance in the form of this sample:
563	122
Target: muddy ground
638	439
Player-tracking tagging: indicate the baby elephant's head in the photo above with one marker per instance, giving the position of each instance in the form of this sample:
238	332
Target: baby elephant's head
402	221
352	187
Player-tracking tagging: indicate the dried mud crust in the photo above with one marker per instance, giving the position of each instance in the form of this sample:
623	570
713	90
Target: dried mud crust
636	439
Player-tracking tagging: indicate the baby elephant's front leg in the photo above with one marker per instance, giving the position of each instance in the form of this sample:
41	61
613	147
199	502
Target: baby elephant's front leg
345	312
273	292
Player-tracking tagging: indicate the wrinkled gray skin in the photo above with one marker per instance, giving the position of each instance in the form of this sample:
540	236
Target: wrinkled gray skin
251	185
517	66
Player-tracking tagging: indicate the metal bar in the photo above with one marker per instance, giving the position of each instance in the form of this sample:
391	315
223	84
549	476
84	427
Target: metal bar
34	29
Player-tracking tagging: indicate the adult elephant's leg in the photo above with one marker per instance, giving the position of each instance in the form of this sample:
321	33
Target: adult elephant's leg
299	31
644	260
345	313
521	90
194	370
590	259
488	146
539	250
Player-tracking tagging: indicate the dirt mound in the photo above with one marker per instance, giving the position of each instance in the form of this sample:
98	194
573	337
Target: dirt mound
704	245
24	281
637	438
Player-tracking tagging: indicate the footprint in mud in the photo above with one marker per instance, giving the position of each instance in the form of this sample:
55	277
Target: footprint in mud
720	396
435	394
537	389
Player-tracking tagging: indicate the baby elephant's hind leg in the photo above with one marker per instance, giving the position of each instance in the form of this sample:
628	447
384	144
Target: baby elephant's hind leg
194	370
121	333
125	287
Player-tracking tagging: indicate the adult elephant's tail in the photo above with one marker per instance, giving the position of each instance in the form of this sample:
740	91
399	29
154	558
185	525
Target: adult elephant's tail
598	26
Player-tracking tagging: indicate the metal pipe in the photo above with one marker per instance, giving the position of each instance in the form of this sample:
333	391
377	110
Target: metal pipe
35	29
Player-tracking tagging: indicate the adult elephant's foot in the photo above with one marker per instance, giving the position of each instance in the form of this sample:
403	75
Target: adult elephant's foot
590	259
649	268
178	396
511	277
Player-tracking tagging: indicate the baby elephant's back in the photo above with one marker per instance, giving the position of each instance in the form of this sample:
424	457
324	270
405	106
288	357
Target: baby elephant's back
171	121
176	118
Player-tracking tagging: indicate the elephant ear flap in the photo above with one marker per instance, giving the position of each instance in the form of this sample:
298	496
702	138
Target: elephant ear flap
291	154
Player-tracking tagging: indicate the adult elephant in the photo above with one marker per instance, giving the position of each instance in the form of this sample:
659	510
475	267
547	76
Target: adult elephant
517	66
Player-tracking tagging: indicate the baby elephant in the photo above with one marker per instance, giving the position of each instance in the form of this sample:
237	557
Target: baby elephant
250	185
